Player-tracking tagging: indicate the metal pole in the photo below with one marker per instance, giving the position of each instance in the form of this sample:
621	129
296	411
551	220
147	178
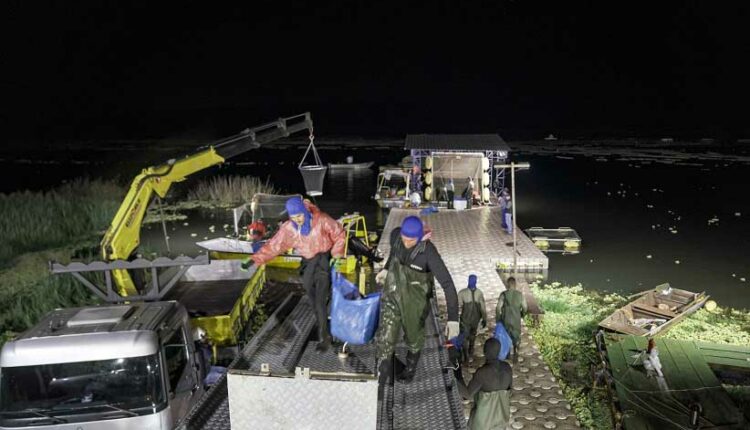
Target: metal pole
164	226
513	221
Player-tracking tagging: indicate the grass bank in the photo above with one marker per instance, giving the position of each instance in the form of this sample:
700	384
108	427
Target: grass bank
565	339
37	227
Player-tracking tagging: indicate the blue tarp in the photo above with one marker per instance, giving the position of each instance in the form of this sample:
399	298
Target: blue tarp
354	318
504	338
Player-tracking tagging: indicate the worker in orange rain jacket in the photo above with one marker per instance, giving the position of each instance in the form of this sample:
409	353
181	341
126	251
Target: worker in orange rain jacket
316	237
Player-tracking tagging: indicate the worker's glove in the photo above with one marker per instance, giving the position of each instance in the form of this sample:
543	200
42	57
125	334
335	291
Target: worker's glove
452	329
333	262
380	277
246	264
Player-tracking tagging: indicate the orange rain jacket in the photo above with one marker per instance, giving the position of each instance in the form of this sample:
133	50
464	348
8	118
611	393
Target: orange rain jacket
326	234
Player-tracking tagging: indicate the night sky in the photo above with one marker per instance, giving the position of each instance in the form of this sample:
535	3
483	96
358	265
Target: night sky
521	68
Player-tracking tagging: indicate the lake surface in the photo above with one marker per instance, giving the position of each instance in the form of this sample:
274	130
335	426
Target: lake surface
642	223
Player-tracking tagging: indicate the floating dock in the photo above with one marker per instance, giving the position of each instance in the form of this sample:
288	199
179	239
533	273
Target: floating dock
690	373
473	241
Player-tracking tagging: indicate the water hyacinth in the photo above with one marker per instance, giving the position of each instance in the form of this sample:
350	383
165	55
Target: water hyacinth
565	336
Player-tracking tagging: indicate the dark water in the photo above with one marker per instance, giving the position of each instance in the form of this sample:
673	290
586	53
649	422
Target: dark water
619	230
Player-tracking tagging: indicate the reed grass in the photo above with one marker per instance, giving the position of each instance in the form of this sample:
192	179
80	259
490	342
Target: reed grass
228	191
33	221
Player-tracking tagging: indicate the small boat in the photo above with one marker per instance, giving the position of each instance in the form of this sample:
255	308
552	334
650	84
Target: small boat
392	189
224	248
654	311
351	166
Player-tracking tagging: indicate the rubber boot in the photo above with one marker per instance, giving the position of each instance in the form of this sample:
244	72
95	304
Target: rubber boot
324	344
385	371
412	359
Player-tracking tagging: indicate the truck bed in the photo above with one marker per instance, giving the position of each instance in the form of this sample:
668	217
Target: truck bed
287	341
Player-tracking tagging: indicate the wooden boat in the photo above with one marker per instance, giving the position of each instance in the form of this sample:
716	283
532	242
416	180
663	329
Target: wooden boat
654	311
351	166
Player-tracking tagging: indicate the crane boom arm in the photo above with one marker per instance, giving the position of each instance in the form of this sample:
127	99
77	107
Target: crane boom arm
123	235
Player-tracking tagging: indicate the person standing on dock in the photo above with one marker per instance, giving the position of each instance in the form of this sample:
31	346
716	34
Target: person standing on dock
490	389
511	308
473	312
451	193
503	207
410	272
316	237
469	193
508	215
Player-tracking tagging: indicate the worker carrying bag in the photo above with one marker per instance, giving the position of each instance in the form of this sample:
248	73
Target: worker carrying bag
354	318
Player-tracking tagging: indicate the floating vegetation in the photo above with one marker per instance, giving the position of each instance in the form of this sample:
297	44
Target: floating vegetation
565	339
229	191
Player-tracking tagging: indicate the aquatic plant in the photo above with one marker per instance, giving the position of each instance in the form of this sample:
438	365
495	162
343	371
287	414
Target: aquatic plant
565	339
228	191
28	291
33	221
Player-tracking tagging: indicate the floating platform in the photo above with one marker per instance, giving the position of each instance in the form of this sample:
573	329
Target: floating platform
279	381
561	239
690	372
472	242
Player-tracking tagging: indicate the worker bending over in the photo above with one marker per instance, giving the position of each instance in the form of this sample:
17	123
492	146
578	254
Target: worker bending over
408	280
511	308
473	312
316	237
490	389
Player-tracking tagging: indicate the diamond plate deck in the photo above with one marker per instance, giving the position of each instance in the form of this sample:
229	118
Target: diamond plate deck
431	401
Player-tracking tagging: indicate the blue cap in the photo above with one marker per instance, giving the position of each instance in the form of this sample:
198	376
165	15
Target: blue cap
472	281
295	206
412	227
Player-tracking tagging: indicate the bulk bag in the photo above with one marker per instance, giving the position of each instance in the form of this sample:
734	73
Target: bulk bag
354	318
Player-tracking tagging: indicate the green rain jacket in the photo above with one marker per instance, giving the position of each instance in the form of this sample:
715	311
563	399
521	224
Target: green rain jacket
511	307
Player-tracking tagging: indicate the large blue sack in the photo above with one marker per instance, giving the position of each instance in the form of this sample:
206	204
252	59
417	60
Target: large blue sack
354	318
504	338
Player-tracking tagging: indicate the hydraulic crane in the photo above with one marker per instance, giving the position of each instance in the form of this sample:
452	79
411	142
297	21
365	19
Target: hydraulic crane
123	235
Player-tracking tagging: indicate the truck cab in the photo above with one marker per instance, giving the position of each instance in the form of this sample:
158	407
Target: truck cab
102	367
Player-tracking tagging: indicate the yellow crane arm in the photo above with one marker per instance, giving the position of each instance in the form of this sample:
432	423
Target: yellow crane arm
123	236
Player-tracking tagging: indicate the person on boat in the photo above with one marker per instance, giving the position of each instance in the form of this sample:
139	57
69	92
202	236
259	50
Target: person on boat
490	389
408	278
320	240
256	232
473	312
451	193
469	193
511	307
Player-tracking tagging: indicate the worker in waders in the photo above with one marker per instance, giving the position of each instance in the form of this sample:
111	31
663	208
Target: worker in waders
469	193
490	389
410	272
451	193
473	313
316	237
511	307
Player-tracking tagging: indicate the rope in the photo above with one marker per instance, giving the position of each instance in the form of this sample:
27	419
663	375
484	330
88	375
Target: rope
315	152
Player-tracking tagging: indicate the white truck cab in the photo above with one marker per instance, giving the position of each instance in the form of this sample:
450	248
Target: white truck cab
122	366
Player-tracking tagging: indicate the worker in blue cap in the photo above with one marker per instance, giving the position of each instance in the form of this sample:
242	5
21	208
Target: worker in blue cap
408	279
320	240
473	311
